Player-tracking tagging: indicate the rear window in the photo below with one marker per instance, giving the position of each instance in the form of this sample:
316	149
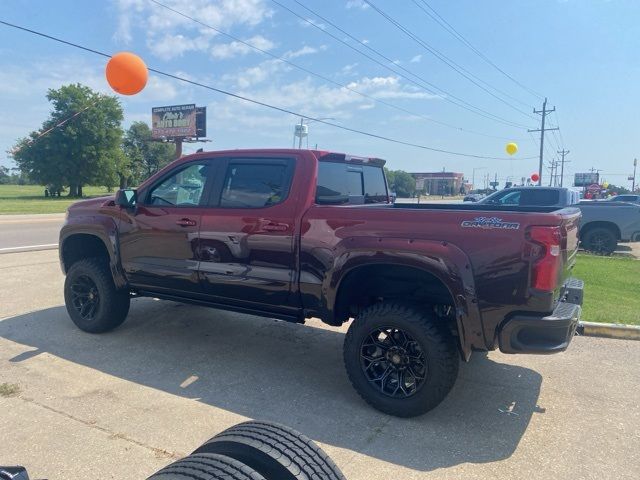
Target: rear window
539	197
354	184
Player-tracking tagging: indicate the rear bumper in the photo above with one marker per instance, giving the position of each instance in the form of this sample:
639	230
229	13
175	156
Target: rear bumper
548	334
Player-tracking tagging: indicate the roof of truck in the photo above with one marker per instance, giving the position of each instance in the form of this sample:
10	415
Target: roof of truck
324	155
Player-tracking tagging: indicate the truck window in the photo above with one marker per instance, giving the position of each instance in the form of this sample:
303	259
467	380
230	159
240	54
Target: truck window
255	185
539	197
182	188
360	183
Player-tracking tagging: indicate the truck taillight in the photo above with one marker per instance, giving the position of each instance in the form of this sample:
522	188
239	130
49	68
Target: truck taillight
545	256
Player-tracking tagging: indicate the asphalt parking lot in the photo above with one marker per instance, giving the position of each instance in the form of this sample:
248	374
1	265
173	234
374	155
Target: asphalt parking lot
124	404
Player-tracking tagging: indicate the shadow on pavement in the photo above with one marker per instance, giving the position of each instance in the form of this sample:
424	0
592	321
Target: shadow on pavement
271	370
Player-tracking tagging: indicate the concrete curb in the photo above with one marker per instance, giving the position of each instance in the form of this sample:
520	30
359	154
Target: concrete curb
609	330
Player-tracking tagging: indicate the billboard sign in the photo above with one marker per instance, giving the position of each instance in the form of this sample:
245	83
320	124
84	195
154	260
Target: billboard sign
586	179
173	121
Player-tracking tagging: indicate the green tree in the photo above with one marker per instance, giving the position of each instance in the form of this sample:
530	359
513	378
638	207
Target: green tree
80	152
142	156
618	189
5	175
401	182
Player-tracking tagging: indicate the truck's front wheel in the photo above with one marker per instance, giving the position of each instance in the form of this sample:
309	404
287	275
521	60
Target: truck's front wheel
93	302
400	359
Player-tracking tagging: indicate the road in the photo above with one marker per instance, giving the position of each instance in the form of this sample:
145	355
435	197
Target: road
29	232
126	403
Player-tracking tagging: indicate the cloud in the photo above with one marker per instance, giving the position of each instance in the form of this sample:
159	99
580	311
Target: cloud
169	35
349	69
357	4
305	50
269	82
235	49
308	22
255	75
416	59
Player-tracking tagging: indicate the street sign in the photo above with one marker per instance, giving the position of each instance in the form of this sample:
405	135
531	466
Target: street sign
594	188
585	179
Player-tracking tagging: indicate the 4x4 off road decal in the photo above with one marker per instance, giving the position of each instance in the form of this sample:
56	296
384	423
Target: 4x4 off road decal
490	223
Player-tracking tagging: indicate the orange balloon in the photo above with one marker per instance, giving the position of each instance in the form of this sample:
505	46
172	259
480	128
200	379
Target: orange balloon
126	73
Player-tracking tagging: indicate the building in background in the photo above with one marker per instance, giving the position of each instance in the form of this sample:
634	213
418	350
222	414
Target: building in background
439	183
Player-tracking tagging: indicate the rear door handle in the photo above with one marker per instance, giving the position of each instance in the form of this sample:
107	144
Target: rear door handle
186	222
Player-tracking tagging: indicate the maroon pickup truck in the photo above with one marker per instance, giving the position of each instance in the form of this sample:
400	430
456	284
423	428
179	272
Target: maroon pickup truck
295	234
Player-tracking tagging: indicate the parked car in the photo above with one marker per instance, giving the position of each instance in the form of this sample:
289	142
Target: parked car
625	198
533	196
604	223
473	197
295	234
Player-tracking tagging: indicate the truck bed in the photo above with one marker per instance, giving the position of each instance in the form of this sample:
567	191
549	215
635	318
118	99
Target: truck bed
479	207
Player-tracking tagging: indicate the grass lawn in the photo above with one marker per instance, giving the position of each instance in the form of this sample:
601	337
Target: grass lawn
30	199
611	289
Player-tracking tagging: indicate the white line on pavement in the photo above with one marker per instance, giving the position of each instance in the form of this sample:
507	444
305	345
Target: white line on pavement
29	247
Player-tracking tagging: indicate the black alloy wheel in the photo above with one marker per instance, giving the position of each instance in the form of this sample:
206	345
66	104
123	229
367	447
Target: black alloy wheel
85	297
393	362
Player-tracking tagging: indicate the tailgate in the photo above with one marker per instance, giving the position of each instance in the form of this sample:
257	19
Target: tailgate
569	244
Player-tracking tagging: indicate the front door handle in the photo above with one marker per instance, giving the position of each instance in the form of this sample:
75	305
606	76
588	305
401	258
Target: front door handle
276	227
186	222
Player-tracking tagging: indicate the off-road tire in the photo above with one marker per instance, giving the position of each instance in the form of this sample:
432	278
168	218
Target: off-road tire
113	304
600	240
275	451
435	341
207	466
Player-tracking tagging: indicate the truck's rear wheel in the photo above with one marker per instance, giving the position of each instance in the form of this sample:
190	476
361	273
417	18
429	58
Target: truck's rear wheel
600	240
206	466
93	302
400	359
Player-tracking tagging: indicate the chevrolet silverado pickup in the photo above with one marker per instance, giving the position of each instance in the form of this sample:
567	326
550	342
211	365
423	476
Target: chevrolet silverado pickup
297	234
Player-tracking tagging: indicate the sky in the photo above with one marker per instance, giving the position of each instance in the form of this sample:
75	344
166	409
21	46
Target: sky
428	88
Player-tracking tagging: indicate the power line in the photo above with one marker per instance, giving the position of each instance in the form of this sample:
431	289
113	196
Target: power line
318	75
446	60
559	131
447	26
420	83
258	102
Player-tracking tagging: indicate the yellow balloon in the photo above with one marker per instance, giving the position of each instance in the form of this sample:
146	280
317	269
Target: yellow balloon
512	148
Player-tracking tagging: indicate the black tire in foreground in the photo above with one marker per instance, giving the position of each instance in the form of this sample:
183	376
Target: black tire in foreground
93	302
275	451
600	240
206	466
400	359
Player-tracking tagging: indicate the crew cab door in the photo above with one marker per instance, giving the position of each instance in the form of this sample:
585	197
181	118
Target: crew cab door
159	238
247	235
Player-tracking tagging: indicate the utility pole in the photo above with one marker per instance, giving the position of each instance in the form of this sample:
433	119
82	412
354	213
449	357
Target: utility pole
473	176
563	152
301	127
633	182
544	112
552	166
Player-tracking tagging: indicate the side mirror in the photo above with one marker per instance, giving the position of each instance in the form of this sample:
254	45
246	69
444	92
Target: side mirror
126	198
